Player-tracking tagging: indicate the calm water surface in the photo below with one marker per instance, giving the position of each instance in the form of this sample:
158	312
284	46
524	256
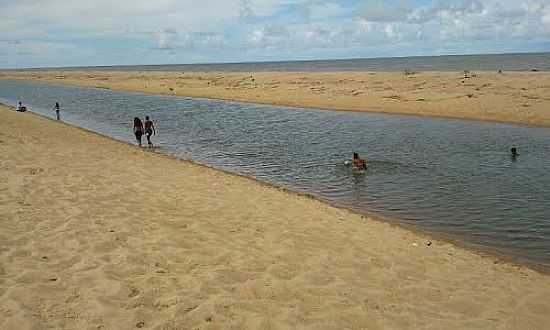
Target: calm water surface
449	176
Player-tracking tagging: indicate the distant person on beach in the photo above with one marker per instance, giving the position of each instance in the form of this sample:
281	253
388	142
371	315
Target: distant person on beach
57	108
149	130
138	129
21	107
358	163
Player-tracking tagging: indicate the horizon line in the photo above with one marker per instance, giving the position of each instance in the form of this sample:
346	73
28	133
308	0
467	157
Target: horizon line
269	62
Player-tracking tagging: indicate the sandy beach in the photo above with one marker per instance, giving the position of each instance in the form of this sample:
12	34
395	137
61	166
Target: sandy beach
99	234
513	97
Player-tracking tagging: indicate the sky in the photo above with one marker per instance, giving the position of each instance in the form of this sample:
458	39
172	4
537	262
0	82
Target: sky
46	33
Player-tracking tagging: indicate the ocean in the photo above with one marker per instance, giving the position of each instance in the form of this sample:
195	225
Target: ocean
505	62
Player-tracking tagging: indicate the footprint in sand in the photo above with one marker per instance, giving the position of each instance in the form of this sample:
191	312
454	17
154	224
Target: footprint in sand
133	293
34	171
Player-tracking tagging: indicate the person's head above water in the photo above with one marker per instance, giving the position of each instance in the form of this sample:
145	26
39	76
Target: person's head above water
355	155
514	151
146	117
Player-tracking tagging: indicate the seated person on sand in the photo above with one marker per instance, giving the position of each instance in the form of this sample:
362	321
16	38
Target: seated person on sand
358	163
20	107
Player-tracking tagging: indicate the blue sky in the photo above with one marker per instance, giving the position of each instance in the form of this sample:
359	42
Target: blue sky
40	33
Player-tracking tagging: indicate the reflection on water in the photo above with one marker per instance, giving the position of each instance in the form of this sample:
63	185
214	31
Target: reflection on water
449	176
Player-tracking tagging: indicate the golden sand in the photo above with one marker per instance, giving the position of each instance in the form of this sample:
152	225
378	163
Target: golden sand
514	97
99	234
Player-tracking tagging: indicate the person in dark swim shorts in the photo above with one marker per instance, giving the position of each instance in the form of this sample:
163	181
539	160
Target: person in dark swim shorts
138	129
149	130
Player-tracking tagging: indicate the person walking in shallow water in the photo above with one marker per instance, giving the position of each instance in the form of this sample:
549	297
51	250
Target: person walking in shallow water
149	130
138	130
57	109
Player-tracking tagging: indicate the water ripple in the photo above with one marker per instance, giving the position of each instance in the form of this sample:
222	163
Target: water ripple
444	175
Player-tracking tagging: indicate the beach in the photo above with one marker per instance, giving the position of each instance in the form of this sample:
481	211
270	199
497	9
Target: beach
511	97
99	234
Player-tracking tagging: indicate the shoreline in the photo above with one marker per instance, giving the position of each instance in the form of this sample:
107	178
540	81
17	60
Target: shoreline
533	125
510	98
218	250
426	234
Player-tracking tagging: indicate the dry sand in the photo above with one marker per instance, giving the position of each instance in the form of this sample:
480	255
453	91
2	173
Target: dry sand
99	234
515	97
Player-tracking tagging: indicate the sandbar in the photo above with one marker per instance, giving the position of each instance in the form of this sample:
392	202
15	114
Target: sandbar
510	97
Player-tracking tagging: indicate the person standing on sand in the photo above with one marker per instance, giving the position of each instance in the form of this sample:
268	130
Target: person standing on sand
149	130
138	129
57	108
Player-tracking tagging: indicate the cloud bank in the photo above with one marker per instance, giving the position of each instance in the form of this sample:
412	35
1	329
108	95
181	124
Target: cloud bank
68	33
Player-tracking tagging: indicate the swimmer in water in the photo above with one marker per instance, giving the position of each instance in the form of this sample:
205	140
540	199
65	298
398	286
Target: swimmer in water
359	163
57	109
514	152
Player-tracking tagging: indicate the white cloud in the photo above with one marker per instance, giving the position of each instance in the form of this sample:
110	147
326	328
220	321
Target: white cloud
35	53
385	11
185	30
165	38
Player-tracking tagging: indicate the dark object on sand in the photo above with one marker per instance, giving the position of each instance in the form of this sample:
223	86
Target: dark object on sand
20	107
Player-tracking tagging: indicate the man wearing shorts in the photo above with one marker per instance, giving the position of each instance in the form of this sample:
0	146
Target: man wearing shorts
149	130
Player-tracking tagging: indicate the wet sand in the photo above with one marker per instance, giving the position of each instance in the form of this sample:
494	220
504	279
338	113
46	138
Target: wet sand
99	234
513	97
